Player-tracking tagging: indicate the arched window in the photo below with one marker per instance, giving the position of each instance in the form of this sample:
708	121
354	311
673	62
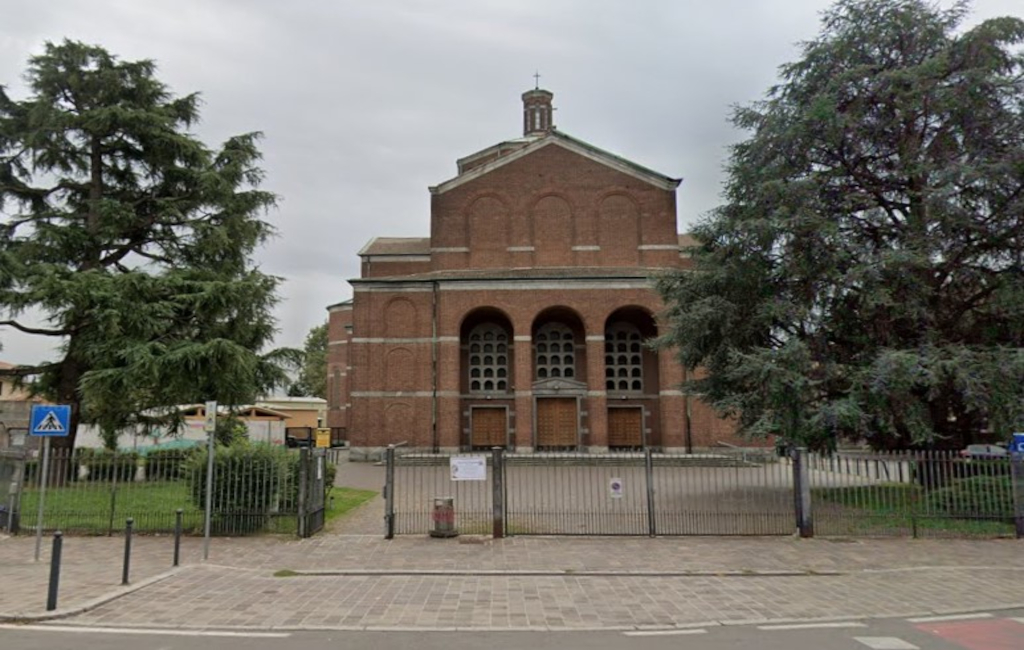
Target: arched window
623	359
488	372
558	339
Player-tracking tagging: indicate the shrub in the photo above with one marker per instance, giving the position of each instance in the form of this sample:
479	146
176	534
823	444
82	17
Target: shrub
104	466
977	497
249	481
167	464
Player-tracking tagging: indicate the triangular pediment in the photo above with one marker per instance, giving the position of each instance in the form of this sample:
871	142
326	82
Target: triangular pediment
559	139
558	385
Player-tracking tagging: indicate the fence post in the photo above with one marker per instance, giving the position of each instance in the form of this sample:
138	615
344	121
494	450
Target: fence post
498	498
304	457
177	535
128	525
51	593
649	471
802	493
1017	474
389	493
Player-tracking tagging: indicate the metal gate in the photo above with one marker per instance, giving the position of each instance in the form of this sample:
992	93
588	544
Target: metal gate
312	491
639	493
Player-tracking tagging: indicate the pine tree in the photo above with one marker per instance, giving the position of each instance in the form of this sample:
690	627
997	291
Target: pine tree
865	276
134	239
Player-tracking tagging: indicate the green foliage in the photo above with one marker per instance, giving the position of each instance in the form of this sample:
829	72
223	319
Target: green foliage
977	497
167	464
250	480
864	278
230	430
103	465
313	371
134	239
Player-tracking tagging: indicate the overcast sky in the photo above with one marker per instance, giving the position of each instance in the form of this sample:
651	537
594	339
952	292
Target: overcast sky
364	104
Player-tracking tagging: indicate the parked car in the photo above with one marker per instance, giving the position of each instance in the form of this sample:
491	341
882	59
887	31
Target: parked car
984	452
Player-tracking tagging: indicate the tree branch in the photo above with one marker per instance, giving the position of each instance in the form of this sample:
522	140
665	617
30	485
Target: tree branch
35	330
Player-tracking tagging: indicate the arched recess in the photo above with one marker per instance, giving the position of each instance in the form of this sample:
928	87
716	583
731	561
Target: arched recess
559	378
488	224
401	318
631	378
551	219
399	370
630	365
558	332
618	230
486	359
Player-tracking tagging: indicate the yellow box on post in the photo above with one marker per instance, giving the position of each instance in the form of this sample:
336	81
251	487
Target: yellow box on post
323	438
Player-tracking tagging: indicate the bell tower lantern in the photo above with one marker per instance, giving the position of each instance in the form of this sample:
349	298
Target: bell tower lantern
537	112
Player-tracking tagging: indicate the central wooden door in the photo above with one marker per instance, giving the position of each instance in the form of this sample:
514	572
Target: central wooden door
489	427
557	422
625	427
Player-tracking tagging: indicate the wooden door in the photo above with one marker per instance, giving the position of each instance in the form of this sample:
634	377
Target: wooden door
557	422
489	427
625	427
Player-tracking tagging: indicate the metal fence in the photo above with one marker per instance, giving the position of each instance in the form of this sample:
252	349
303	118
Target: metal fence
916	494
736	492
256	489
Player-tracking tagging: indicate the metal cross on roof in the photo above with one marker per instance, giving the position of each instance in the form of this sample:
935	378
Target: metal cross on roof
536	79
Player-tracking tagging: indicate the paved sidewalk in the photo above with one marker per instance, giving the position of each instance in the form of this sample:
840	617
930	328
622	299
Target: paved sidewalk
365	582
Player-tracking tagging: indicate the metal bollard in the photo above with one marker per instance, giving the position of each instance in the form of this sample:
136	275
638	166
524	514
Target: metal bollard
127	549
51	594
177	536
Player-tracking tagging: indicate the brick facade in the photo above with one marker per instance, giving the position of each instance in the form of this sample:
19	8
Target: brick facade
521	320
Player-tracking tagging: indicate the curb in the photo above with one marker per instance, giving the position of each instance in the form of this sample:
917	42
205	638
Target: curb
60	613
727	623
558	573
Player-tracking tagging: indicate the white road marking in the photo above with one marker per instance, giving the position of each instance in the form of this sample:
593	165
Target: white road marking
1017	620
951	617
663	632
810	626
885	643
153	631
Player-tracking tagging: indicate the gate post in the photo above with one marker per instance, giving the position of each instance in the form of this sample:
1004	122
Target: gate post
389	493
301	508
649	471
1017	485
498	496
802	493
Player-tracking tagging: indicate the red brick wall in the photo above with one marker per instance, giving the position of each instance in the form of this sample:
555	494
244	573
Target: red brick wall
552	208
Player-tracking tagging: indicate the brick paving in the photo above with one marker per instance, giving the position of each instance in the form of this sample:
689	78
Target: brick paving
366	582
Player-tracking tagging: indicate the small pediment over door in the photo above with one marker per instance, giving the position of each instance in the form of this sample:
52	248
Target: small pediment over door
559	386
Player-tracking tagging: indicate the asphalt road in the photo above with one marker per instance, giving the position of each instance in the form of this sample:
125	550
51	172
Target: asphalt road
980	631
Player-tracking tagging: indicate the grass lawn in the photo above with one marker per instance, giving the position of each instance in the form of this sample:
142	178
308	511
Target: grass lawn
892	509
343	499
101	509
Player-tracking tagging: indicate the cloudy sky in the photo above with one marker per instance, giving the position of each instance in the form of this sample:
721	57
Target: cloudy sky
364	104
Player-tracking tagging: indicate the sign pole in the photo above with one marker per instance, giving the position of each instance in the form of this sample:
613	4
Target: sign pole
210	425
46	420
43	479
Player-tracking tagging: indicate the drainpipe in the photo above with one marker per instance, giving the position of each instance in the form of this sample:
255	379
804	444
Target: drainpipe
433	370
686	413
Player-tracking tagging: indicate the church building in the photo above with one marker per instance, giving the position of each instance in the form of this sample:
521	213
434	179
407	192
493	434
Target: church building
521	321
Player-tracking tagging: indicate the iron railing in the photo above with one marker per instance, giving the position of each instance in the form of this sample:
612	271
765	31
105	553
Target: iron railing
93	492
728	492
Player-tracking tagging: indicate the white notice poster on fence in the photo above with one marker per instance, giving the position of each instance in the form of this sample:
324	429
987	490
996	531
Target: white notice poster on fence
469	468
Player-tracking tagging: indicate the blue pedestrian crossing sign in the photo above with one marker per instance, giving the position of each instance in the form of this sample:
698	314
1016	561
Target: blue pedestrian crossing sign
50	420
1017	446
